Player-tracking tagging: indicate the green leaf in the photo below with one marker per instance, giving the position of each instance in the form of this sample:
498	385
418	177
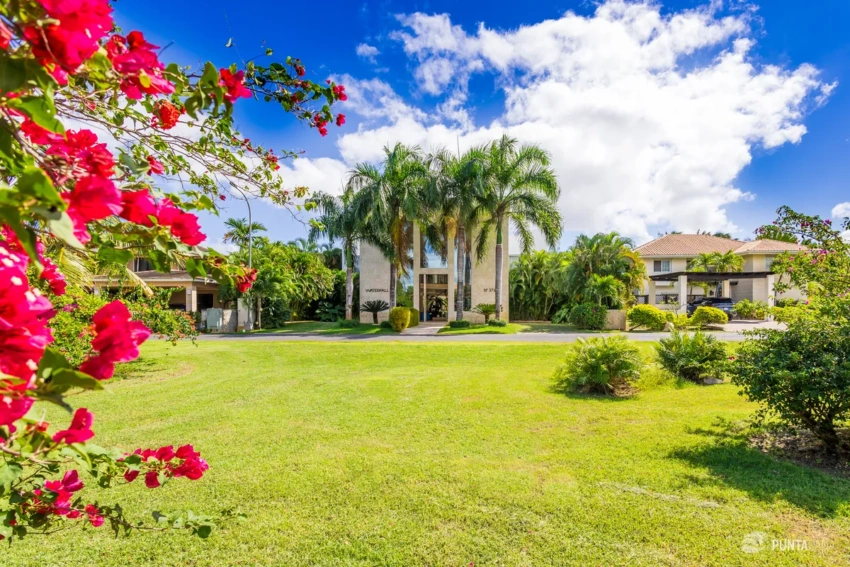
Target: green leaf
160	261
51	361
65	379
195	268
40	109
63	228
114	255
210	75
203	531
34	182
9	473
27	237
269	51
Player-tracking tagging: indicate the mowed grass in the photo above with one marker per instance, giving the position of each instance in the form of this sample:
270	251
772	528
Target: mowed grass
509	329
322	328
398	454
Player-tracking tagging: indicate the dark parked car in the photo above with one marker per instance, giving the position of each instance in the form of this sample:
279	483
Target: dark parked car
725	304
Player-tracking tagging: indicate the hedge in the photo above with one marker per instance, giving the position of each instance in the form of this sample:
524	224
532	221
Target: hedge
399	318
459	324
705	316
647	317
414	317
589	316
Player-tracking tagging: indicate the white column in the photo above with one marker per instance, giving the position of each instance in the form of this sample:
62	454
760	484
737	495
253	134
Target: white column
191	299
726	288
770	281
683	293
651	292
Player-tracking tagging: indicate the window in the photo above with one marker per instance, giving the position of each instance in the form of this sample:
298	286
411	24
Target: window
430	256
768	263
661	266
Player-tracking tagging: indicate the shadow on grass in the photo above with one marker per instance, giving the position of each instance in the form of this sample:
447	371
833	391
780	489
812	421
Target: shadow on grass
730	459
140	368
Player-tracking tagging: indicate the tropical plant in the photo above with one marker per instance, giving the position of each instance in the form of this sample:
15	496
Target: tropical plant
349	324
341	219
597	262
708	317
329	313
437	307
450	199
399	318
516	187
497	323
588	316
390	197
538	284
304	244
692	356
87	194
773	232
746	309
374	306
717	262
486	309
599	365
562	316
801	375
647	317
239	231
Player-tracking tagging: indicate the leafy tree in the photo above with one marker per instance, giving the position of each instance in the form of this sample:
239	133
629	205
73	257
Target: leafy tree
450	201
68	195
538	284
391	196
239	232
717	262
603	255
516	187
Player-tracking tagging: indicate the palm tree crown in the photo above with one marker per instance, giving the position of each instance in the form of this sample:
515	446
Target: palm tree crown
238	231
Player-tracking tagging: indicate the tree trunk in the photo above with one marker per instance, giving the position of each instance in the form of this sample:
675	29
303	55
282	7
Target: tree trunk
498	270
349	282
259	311
393	283
460	253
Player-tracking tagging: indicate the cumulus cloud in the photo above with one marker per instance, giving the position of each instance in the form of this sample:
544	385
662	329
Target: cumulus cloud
649	116
841	210
368	52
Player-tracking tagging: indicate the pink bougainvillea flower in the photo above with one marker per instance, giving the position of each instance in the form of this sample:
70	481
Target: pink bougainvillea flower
152	479
72	36
136	60
117	339
186	228
13	408
234	83
244	283
130	475
340	119
339	91
79	430
94	516
6	36
81	151
156	167
192	468
138	207
165	453
93	198
70	483
53	277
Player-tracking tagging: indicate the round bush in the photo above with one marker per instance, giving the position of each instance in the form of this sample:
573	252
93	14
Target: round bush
647	317
599	365
692	357
459	324
414	317
497	323
399	318
589	316
707	316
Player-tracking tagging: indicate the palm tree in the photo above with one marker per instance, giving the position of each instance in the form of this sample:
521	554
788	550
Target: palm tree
717	262
238	231
449	198
605	290
516	187
304	244
340	219
604	254
391	198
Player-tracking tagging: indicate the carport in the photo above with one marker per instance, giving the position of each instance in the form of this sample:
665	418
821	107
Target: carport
723	278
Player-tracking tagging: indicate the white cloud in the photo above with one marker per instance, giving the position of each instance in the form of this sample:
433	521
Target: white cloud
841	210
368	52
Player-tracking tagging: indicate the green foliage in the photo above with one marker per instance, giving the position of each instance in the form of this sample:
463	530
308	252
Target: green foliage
486	309
746	309
414	317
604	270
329	313
460	324
375	306
497	323
275	312
647	317
708	317
589	316
678	321
349	324
692	356
788	302
717	262
538	284
599	365
399	318
385	325
562	316
801	375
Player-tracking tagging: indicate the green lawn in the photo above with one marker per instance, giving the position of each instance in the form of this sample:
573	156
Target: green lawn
556	328
316	327
509	329
364	454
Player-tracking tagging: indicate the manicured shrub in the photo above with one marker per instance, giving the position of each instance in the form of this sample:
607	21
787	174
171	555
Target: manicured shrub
459	324
486	309
801	375
599	365
680	322
788	302
399	318
374	307
414	317
497	323
562	315
692	356
746	309
588	316
647	317
385	325
708	316
349	324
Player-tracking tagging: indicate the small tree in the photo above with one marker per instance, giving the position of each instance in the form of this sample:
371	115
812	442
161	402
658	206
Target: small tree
486	309
692	356
599	365
708	317
374	307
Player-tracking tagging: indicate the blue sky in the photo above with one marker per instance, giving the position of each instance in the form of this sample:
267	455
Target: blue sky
633	153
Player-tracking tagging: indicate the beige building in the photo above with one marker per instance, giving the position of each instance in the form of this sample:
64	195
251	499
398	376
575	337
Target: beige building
670	281
432	280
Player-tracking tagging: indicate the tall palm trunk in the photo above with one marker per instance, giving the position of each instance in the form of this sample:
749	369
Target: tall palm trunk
499	269
349	281
393	283
460	253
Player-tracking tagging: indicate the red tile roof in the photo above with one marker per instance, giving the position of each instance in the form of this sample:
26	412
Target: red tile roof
692	244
